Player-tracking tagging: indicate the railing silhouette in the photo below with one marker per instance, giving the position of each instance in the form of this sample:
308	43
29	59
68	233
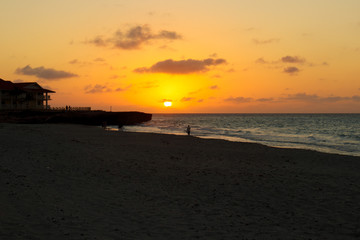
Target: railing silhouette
77	109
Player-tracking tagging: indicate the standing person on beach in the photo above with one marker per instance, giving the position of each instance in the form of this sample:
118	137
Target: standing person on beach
188	130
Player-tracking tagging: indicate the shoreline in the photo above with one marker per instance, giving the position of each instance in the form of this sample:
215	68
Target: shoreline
243	140
63	181
337	134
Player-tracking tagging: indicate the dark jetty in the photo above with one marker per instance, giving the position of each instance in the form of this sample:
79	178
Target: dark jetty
76	117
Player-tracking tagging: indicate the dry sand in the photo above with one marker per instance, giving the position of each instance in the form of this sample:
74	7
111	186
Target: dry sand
81	182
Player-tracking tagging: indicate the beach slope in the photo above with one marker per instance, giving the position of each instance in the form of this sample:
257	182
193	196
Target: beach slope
62	181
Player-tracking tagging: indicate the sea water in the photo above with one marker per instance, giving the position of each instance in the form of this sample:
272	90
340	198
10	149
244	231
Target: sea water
331	133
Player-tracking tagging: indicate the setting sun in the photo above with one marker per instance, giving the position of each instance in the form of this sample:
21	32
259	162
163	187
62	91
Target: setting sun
167	104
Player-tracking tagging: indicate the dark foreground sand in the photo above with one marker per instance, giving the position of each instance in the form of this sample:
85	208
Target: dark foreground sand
80	182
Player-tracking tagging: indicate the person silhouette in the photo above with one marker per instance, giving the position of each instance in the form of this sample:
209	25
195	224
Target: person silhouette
188	130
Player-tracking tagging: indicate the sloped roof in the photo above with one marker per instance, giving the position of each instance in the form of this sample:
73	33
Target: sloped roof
32	87
6	85
25	86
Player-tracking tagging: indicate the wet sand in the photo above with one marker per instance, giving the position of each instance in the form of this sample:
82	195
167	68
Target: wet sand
81	182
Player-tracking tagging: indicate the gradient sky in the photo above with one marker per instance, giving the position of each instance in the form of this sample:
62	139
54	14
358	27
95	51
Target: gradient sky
228	56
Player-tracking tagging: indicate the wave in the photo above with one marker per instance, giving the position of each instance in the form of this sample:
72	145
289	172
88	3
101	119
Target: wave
326	133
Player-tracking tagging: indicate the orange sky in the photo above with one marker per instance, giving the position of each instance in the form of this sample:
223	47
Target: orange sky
228	56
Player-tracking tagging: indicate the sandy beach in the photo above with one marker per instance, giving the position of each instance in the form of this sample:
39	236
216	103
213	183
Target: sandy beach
82	182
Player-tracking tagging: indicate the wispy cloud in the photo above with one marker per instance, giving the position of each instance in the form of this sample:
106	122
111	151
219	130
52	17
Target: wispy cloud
181	67
44	73
74	61
284	60
165	100
291	70
99	59
195	92
134	38
99	88
99	41
261	61
187	99
304	97
265	100
298	97
122	89
266	41
216	76
301	97
293	59
239	99
148	85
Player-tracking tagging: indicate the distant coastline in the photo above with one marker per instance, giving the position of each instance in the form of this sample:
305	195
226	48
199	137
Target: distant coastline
75	117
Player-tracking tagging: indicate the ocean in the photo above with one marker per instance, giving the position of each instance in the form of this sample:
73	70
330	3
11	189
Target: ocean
330	133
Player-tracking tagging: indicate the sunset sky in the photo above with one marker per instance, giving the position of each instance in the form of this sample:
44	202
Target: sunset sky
204	56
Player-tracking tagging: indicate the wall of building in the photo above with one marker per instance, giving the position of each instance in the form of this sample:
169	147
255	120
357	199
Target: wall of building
21	101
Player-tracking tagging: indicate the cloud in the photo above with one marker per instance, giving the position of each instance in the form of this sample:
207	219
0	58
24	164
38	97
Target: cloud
75	61
262	42
134	38
298	97
247	100
356	98
195	92
99	59
261	61
122	89
239	100
188	66
165	100
283	63
187	99
293	59
79	63
304	97
265	100
44	73
98	88
286	59
291	70
98	41
164	34
214	87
